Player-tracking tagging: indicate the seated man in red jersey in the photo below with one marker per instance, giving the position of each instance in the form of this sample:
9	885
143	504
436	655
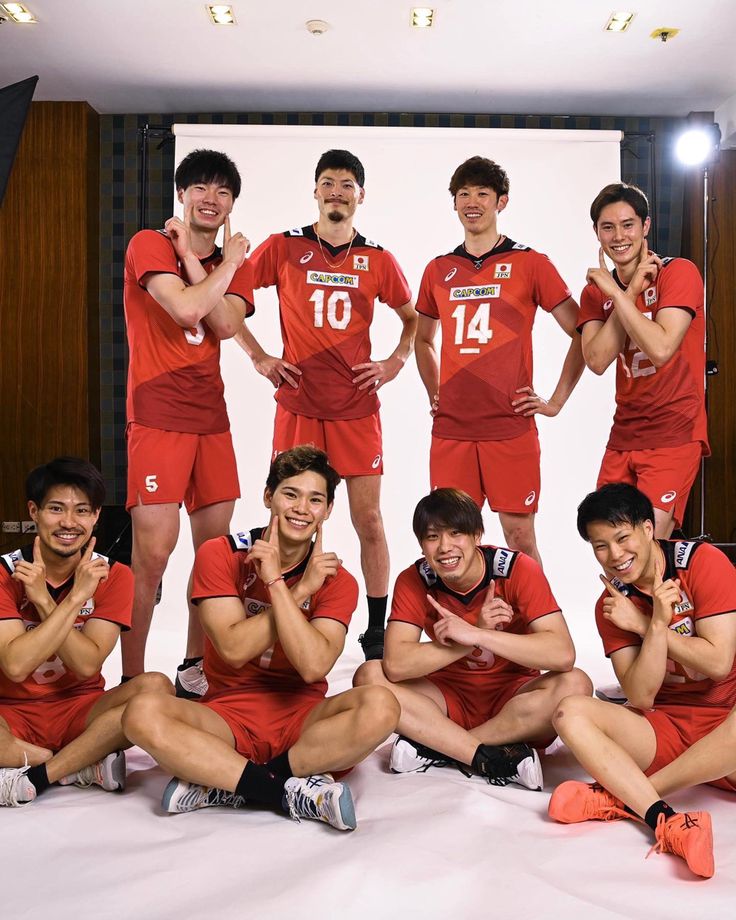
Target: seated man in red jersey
473	696
275	609
328	277
648	314
667	618
183	294
62	607
485	296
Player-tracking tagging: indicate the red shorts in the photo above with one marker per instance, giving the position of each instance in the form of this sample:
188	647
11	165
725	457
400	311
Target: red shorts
470	706
264	724
677	728
354	446
175	466
665	475
50	723
504	472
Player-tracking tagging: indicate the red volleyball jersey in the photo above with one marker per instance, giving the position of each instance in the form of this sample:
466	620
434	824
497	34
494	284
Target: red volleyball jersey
708	588
113	601
174	380
221	569
658	406
519	580
486	307
326	297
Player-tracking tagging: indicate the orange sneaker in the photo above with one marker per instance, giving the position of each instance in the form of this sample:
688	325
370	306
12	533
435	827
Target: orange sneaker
690	835
572	802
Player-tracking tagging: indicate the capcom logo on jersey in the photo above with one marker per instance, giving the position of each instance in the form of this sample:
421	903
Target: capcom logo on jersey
333	279
478	292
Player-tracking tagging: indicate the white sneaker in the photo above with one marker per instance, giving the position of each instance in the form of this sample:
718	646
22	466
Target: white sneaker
15	787
109	773
180	796
191	682
409	756
321	798
611	693
512	763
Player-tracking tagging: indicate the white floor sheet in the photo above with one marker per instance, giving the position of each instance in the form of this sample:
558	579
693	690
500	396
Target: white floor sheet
433	845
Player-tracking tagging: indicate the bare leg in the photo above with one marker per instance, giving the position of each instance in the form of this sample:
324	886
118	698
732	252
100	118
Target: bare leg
364	494
528	715
206	523
189	740
423	713
614	744
104	733
155	532
343	730
519	533
15	752
664	523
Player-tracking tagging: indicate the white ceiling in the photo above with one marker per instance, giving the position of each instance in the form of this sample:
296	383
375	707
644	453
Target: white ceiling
491	56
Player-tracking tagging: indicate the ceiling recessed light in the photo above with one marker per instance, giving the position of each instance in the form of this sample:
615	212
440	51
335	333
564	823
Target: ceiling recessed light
619	22
664	34
221	14
422	17
18	12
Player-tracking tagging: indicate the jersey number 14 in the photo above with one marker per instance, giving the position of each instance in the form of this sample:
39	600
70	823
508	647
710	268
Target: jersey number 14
478	328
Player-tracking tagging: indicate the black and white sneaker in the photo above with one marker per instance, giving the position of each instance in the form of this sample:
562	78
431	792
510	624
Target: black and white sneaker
180	796
320	798
510	763
190	683
612	693
371	641
409	756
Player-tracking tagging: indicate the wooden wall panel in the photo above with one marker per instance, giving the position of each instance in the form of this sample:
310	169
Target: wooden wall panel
48	298
720	468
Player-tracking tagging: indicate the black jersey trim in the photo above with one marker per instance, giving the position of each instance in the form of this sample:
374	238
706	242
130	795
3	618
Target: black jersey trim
308	233
499	563
508	245
242	541
334	620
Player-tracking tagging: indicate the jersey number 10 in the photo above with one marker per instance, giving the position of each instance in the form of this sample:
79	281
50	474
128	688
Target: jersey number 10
337	301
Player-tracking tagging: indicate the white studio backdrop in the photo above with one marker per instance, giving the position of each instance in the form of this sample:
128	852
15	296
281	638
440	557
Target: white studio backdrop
554	176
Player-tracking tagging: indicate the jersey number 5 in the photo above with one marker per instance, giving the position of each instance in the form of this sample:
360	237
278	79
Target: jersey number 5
337	301
478	328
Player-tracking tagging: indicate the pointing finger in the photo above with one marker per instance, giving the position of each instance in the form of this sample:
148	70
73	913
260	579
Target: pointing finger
491	592
37	557
317	551
602	259
226	229
88	551
273	535
612	590
188	215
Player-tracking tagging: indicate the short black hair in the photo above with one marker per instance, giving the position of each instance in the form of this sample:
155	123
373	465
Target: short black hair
614	503
66	471
447	508
480	171
620	191
208	166
340	159
302	459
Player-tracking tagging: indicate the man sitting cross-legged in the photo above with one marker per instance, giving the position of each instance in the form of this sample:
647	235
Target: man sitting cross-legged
667	618
474	692
62	607
275	610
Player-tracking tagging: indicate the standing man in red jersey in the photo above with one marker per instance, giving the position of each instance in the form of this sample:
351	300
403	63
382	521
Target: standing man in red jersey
648	314
485	296
183	294
62	607
667	618
328	277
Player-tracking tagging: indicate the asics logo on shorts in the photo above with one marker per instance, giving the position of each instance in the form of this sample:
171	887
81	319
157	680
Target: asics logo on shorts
306	257
451	274
669	496
376	462
529	500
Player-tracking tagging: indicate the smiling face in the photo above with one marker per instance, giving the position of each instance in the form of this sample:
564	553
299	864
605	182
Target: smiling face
454	556
210	204
625	551
64	521
621	233
301	505
338	195
478	206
